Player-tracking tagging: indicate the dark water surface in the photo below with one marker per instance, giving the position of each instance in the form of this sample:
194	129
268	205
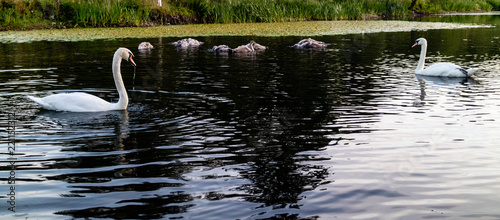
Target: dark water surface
348	132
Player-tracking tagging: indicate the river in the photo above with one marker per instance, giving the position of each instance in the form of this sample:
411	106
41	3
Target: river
348	132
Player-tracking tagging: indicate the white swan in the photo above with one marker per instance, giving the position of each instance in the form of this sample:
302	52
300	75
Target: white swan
84	102
439	69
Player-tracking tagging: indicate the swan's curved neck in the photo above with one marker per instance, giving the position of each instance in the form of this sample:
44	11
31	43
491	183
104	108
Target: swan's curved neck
421	61
123	101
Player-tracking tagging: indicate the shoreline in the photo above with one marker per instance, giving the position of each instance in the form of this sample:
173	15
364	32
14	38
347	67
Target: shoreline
182	20
18	15
467	13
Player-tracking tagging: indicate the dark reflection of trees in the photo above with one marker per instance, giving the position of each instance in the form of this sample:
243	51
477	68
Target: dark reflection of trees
273	106
151	208
283	117
281	181
279	112
114	136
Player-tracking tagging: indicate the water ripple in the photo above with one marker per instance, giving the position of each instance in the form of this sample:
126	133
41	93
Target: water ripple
348	132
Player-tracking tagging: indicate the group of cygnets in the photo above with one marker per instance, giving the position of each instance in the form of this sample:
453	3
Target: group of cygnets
248	48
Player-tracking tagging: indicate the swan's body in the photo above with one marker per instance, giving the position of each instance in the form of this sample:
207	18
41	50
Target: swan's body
186	43
248	48
256	46
221	49
438	69
83	102
145	46
310	44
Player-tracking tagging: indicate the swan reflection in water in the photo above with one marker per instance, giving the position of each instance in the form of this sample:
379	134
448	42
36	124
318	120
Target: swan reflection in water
86	126
442	82
159	171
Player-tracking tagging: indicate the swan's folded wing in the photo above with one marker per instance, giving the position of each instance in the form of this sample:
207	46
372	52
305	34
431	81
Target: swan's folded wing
442	70
73	102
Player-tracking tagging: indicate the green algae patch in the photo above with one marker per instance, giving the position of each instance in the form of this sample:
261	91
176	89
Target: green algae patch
306	28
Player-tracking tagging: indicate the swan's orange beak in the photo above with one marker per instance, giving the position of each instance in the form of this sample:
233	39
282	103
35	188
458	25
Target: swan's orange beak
131	61
415	44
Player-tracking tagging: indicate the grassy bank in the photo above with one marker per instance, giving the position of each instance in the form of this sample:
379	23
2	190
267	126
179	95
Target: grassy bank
29	14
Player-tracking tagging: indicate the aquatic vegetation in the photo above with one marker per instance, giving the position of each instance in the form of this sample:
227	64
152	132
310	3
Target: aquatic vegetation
18	14
305	28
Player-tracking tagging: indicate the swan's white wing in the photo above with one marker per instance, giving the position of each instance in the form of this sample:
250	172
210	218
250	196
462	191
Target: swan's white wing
444	70
74	102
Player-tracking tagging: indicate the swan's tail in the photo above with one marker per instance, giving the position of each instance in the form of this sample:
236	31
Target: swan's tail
471	71
38	101
35	99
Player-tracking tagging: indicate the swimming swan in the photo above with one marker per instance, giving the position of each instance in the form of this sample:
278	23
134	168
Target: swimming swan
309	44
439	69
186	43
248	48
84	102
145	46
222	49
256	46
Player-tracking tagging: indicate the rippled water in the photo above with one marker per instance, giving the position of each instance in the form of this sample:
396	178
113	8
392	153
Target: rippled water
348	132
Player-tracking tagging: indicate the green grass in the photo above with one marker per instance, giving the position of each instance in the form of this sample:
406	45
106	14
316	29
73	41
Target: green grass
229	11
18	14
97	13
25	14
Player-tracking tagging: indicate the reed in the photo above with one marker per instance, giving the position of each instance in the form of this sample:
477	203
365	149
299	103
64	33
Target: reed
89	13
495	4
96	13
437	6
21	14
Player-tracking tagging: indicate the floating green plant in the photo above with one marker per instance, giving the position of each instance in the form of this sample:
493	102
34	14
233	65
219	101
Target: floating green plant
308	28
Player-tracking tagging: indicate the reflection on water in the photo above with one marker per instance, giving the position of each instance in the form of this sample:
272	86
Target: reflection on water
348	132
426	81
